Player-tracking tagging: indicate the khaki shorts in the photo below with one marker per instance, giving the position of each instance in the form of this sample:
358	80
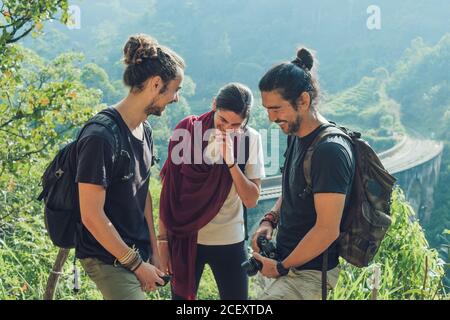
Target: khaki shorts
299	285
115	283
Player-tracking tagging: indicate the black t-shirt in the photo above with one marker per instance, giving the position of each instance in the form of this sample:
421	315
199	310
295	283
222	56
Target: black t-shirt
332	171
125	200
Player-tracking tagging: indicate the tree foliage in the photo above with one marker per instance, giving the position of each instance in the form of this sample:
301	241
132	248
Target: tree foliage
19	18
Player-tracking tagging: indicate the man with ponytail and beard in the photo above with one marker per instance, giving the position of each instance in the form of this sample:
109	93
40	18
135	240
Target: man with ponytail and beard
116	240
307	216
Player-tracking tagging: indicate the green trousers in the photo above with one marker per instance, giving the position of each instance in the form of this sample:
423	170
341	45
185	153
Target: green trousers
115	283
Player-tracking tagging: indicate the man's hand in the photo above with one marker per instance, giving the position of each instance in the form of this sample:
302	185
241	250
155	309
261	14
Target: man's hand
148	275
164	254
264	229
269	268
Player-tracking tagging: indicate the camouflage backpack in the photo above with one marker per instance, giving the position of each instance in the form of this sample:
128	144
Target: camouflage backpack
367	214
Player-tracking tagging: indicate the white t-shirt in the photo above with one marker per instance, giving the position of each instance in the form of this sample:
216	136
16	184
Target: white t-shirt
227	227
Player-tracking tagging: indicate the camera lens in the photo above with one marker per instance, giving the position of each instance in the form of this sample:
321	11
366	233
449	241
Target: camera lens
251	266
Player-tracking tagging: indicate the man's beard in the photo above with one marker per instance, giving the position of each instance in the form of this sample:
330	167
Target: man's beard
293	127
153	109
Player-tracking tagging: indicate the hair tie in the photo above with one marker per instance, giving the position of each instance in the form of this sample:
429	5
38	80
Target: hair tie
299	62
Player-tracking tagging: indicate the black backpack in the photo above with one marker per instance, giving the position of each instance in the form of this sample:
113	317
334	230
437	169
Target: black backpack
60	191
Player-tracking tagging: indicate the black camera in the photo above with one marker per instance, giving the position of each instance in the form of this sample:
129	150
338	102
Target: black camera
266	249
166	279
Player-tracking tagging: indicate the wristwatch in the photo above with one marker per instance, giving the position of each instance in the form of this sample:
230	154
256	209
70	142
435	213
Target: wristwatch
281	269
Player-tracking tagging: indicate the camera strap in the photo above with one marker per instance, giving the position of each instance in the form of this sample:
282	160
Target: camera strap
324	274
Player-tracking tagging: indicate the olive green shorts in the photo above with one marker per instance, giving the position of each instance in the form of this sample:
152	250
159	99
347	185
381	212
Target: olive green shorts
299	285
115	283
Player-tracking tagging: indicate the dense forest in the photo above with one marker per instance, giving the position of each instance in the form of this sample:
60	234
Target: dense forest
384	83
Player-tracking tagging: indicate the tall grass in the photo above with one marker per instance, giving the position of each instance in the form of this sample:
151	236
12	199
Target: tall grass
410	269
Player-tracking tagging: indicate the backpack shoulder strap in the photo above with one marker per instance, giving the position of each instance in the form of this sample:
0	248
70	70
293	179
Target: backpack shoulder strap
108	119
246	146
148	131
331	130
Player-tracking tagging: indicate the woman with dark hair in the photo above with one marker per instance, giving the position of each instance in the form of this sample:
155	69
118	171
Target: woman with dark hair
201	205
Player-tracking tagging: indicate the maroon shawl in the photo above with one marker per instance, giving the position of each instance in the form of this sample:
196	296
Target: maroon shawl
191	196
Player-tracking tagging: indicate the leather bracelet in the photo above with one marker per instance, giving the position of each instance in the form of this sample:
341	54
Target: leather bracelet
229	167
162	237
134	264
271	223
270	217
133	269
276	214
